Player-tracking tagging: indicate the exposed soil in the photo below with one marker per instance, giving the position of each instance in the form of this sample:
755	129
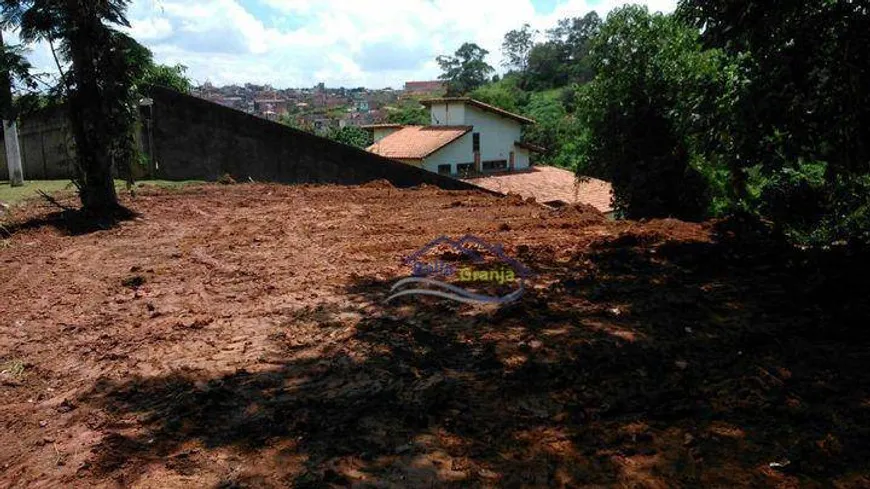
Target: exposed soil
236	336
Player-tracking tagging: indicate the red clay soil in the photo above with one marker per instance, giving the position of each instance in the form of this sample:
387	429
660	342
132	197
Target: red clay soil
236	336
550	184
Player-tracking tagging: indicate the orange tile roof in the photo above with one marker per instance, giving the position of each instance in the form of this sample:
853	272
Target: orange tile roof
417	142
480	105
547	184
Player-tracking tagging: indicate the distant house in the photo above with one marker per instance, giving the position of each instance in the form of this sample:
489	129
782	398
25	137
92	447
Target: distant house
425	88
361	105
270	108
466	137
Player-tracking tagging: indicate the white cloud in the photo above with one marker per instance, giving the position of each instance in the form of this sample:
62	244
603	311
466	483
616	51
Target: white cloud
151	29
339	42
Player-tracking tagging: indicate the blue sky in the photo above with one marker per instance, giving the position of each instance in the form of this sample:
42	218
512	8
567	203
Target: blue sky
298	43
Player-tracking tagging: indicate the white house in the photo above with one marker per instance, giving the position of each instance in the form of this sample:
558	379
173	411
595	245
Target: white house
465	137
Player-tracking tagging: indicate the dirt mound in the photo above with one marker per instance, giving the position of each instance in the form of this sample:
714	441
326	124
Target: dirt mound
378	184
581	212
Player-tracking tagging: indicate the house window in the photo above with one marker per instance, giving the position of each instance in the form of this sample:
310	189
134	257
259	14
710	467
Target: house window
464	168
476	142
494	165
444	169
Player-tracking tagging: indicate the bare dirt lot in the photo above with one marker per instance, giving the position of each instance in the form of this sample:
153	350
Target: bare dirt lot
236	336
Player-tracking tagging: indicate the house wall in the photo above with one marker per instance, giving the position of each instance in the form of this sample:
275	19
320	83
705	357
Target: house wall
521	158
497	135
448	114
459	151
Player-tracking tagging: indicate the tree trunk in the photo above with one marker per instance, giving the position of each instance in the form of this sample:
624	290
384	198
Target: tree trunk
93	148
97	191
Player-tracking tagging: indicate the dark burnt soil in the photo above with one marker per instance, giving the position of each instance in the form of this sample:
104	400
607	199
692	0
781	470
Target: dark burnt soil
236	336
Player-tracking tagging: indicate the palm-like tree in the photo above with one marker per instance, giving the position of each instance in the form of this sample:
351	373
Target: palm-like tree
103	65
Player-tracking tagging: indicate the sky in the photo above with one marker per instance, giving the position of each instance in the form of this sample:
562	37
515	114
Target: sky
349	43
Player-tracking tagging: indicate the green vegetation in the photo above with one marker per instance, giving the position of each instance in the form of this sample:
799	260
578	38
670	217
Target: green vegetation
14	195
635	122
352	136
465	70
174	77
752	108
409	113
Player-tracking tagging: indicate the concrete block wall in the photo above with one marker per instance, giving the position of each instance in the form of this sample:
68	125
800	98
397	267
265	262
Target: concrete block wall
187	138
197	139
46	151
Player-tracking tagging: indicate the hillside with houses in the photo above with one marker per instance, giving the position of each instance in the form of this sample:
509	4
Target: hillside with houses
319	108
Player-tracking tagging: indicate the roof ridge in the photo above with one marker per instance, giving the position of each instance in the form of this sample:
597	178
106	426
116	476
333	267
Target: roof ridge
480	105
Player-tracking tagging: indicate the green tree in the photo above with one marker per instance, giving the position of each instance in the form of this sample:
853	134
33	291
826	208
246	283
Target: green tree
547	67
16	70
352	136
516	47
465	70
549	132
104	65
575	36
409	115
794	130
174	77
504	94
635	119
564	57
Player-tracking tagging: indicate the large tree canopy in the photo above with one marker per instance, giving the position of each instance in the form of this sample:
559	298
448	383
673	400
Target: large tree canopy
516	47
632	116
466	70
796	135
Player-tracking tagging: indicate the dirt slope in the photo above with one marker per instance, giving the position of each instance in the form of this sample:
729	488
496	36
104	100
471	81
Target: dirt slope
236	336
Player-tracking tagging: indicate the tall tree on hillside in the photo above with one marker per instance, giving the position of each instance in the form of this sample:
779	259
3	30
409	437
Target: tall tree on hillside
547	67
564	57
103	67
575	36
516	47
465	70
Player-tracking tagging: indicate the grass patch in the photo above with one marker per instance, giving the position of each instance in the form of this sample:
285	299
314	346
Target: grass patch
13	369
14	195
30	189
